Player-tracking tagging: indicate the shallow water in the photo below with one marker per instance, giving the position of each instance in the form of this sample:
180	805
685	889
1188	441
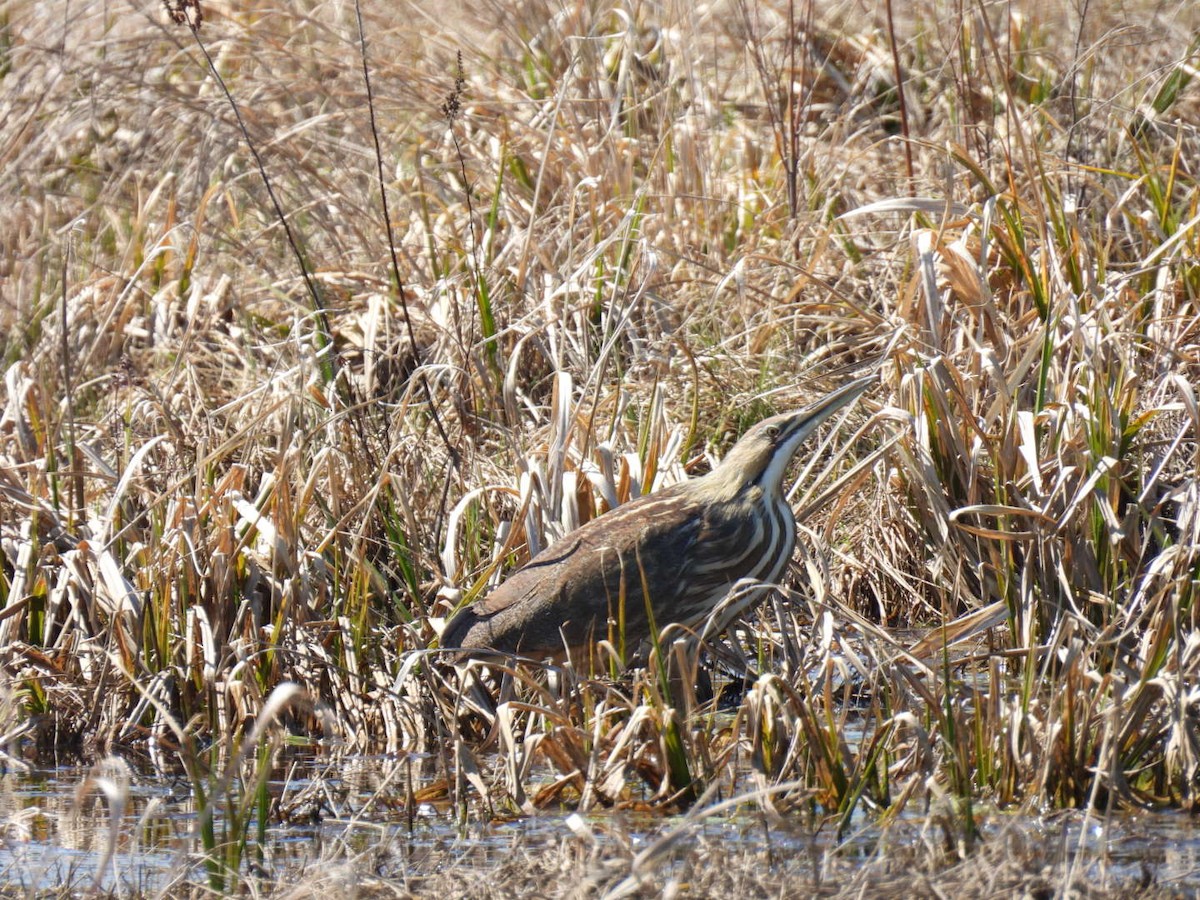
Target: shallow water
50	837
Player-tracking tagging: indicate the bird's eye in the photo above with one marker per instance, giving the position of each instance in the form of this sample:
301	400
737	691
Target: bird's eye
772	431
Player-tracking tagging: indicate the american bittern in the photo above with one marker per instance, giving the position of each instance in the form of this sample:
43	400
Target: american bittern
673	555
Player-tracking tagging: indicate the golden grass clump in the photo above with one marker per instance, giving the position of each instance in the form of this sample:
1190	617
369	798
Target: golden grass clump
296	363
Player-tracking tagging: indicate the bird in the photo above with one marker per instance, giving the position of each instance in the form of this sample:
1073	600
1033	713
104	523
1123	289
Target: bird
669	558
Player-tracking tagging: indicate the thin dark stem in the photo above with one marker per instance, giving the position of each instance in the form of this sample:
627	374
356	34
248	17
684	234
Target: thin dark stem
908	160
397	279
328	361
793	125
1074	131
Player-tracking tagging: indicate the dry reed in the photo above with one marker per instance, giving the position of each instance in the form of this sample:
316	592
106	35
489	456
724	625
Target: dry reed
242	449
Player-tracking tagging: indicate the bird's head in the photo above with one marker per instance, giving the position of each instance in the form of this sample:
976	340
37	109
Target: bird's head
762	456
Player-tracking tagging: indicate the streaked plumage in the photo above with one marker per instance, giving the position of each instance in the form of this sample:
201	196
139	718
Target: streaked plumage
688	544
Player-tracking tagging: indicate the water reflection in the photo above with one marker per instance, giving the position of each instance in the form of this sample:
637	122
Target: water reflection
52	836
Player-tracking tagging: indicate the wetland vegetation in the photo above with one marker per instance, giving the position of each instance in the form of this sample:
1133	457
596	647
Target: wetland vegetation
318	319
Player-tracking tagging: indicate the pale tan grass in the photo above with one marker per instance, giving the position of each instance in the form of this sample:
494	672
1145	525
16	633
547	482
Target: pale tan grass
194	512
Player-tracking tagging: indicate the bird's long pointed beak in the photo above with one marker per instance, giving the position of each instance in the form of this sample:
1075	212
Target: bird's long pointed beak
804	421
797	426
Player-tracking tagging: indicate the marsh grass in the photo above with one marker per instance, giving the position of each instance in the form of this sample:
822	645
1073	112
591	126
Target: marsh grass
254	439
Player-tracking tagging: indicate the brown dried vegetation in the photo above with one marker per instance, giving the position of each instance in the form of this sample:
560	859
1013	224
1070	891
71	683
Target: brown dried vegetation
235	456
